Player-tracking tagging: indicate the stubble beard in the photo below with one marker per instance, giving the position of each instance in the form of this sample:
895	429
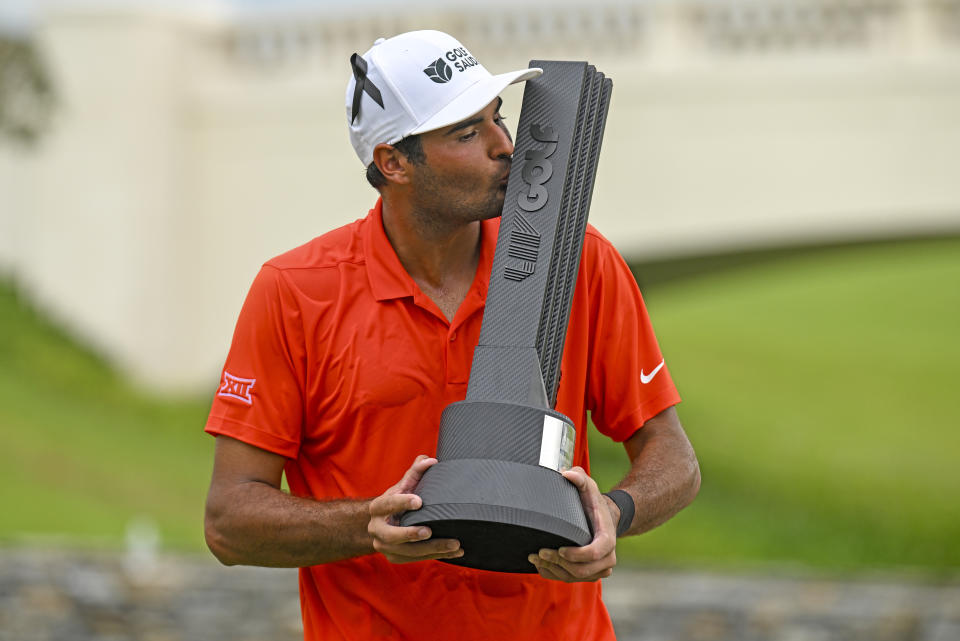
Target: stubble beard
439	209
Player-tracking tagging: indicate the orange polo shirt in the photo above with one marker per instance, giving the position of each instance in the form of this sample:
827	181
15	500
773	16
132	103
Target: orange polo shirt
342	365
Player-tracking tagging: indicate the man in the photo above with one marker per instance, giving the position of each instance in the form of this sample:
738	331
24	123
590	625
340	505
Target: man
348	348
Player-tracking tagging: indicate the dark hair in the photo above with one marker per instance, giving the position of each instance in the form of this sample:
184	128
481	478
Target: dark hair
411	147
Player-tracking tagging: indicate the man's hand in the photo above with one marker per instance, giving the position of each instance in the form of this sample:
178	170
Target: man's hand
594	560
407	544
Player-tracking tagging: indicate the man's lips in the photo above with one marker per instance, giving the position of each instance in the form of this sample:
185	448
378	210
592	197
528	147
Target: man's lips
502	183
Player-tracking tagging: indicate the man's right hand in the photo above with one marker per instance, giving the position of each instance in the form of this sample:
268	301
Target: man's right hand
406	544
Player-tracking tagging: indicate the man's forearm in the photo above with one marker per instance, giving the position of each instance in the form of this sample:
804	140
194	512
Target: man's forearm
255	523
664	476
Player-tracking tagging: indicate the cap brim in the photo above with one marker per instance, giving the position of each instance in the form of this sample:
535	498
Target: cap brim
475	98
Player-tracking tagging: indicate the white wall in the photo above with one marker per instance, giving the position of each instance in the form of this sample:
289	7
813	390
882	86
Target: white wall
98	243
17	174
189	149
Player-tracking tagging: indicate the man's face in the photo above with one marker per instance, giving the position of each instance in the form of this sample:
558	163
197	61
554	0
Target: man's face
464	177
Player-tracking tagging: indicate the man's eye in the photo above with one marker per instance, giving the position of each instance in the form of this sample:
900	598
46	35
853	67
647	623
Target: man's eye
468	136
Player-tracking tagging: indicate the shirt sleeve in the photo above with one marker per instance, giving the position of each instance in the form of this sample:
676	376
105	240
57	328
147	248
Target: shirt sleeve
630	381
259	400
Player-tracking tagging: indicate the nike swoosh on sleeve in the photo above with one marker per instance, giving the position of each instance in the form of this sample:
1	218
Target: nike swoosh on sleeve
646	378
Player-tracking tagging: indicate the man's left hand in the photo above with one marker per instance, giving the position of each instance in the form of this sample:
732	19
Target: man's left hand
594	560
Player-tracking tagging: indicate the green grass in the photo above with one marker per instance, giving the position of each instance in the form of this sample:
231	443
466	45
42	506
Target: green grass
82	452
819	394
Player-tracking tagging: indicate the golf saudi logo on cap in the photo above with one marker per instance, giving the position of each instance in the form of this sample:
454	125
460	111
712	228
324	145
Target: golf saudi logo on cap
439	71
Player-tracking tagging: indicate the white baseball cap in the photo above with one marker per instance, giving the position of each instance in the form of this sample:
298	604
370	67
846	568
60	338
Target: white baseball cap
417	82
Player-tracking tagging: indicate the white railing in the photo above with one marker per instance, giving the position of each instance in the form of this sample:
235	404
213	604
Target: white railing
691	29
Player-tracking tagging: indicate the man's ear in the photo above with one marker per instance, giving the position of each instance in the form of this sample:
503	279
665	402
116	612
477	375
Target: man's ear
392	164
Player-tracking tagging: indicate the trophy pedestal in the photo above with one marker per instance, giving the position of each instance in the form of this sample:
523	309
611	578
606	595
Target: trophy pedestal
502	510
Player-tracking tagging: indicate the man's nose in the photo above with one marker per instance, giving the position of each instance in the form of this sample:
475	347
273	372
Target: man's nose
502	145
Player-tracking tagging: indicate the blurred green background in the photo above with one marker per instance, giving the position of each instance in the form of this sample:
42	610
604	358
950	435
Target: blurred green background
819	391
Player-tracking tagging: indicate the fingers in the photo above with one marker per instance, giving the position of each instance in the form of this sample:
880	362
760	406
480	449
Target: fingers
406	544
604	531
577	476
550	564
389	504
399	497
549	570
603	546
571	572
590	562
413	475
411	547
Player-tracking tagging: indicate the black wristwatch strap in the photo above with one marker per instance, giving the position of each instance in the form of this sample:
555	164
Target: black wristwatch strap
625	502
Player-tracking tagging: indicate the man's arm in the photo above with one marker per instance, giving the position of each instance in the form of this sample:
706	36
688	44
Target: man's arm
249	520
664	475
664	478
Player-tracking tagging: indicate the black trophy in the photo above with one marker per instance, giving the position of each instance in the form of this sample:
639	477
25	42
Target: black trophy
497	485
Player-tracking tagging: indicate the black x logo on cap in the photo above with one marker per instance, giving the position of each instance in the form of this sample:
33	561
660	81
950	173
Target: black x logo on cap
363	84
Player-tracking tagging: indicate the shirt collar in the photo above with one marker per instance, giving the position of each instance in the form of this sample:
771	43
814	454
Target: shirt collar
388	278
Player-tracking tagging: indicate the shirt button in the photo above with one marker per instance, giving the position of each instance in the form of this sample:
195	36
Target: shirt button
453	337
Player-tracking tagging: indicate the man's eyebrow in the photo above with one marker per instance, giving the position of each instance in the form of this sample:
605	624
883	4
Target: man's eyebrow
472	121
463	125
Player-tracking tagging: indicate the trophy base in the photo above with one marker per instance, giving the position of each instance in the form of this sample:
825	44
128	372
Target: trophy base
500	511
497	547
